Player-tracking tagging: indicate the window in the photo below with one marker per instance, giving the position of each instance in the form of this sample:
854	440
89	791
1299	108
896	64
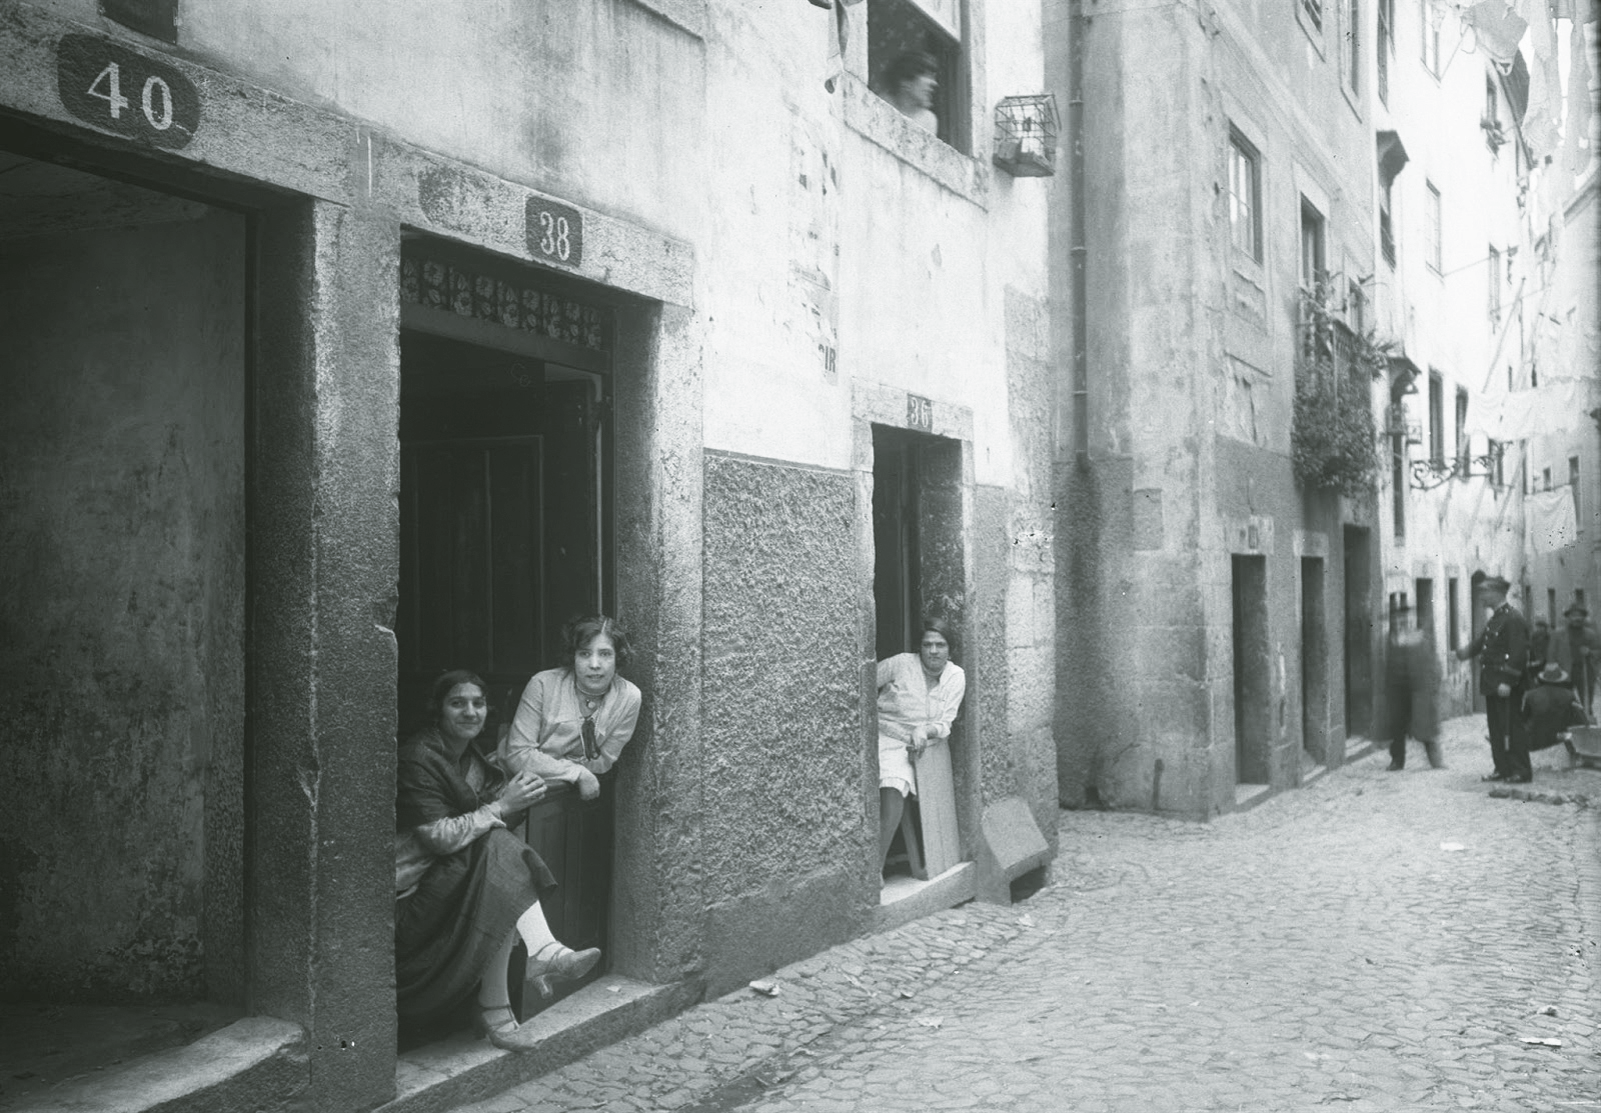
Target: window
1545	479
1462	432
1386	230
1312	260
1356	307
1425	606
1573	481
1245	196
1434	230
932	27
1495	297
1497	452
1431	37
1385	46
1452	639
1436	418
1353	45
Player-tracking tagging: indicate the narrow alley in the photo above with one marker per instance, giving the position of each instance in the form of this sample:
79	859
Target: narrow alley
1374	942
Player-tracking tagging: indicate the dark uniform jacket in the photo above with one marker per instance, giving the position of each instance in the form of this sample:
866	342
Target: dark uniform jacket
1502	648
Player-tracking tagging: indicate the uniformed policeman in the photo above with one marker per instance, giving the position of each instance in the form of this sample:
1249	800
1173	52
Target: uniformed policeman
1503	651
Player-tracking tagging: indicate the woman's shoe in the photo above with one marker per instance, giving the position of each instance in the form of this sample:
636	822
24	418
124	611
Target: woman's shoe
498	1024
556	963
1394	767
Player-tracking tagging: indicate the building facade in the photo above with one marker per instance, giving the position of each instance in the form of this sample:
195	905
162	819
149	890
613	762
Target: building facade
351	345
1217	623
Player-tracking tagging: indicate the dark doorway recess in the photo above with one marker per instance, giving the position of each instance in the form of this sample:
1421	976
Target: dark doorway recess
1358	631
503	539
1252	675
917	573
1314	662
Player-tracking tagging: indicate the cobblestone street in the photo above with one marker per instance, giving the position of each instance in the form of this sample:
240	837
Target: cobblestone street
1372	942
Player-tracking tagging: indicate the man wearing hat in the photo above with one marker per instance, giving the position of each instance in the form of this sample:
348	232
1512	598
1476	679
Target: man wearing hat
1574	647
1502	648
1551	708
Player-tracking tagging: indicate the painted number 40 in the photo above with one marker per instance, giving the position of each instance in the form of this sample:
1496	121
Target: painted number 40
116	89
155	99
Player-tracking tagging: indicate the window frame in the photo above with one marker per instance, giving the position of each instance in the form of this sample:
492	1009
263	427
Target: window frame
1494	287
1429	49
1384	47
951	100
1436	417
1435	227
1241	151
1463	441
1352	52
1313	220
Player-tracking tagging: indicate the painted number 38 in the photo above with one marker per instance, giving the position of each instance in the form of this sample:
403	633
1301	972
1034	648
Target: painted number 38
105	84
555	231
556	235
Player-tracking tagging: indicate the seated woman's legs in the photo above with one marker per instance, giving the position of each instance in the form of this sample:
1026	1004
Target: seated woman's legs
891	804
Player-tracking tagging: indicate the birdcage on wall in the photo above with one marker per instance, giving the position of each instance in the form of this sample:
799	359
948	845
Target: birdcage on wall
1025	135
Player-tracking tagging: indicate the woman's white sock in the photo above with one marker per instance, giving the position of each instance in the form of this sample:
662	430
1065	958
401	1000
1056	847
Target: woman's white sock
534	930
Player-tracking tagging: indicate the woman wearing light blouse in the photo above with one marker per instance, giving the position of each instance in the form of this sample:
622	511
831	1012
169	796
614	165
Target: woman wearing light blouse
573	722
919	695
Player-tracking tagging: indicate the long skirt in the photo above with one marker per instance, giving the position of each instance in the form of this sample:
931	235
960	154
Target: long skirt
457	918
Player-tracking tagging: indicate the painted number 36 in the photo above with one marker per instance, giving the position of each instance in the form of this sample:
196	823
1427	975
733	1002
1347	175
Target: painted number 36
556	235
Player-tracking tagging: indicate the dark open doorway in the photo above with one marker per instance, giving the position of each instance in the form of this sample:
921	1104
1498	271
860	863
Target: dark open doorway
504	531
1314	662
917	573
1358	632
1252	675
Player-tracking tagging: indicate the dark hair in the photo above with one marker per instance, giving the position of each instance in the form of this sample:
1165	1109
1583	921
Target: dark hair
581	631
907	66
435	707
939	625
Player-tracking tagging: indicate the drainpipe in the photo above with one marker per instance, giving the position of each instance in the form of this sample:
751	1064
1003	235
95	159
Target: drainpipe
1075	185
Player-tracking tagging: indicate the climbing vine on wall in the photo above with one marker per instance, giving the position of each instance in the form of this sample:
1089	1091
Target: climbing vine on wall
1333	443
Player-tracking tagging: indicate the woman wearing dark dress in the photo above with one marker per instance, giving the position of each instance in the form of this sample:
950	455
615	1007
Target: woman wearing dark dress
467	888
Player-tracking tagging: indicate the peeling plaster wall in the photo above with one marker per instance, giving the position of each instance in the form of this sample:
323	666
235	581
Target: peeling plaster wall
121	613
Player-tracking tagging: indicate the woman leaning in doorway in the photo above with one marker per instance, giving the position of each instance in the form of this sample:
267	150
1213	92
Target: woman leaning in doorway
919	695
467	888
573	722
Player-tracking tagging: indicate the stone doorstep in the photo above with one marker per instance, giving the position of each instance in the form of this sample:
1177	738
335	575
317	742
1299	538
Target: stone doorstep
464	1068
904	900
1249	796
259	1056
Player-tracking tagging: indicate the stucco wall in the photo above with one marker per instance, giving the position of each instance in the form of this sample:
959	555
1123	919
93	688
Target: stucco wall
121	606
784	838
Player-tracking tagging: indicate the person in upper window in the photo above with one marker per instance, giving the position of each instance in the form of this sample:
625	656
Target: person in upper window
919	695
467	889
909	84
573	722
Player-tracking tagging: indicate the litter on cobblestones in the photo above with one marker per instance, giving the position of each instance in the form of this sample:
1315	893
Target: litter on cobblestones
1548	1010
1026	920
764	986
931	1021
1452	846
1542	1041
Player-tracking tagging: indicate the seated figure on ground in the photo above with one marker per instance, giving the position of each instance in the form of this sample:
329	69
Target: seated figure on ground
467	889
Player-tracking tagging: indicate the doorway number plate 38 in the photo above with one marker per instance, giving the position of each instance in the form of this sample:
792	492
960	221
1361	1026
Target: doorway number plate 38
105	84
555	232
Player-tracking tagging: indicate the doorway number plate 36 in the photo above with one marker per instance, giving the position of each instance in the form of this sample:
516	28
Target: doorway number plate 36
111	87
919	413
555	232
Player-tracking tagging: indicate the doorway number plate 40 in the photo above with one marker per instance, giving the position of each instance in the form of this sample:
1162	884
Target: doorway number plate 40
105	84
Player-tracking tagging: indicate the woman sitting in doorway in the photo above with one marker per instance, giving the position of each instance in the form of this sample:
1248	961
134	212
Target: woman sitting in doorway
919	695
468	888
573	722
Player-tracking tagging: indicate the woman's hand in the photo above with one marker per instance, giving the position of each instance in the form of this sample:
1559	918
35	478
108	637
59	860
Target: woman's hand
918	741
521	791
588	785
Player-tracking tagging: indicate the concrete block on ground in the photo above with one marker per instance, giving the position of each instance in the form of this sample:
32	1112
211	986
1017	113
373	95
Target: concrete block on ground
1012	845
912	900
